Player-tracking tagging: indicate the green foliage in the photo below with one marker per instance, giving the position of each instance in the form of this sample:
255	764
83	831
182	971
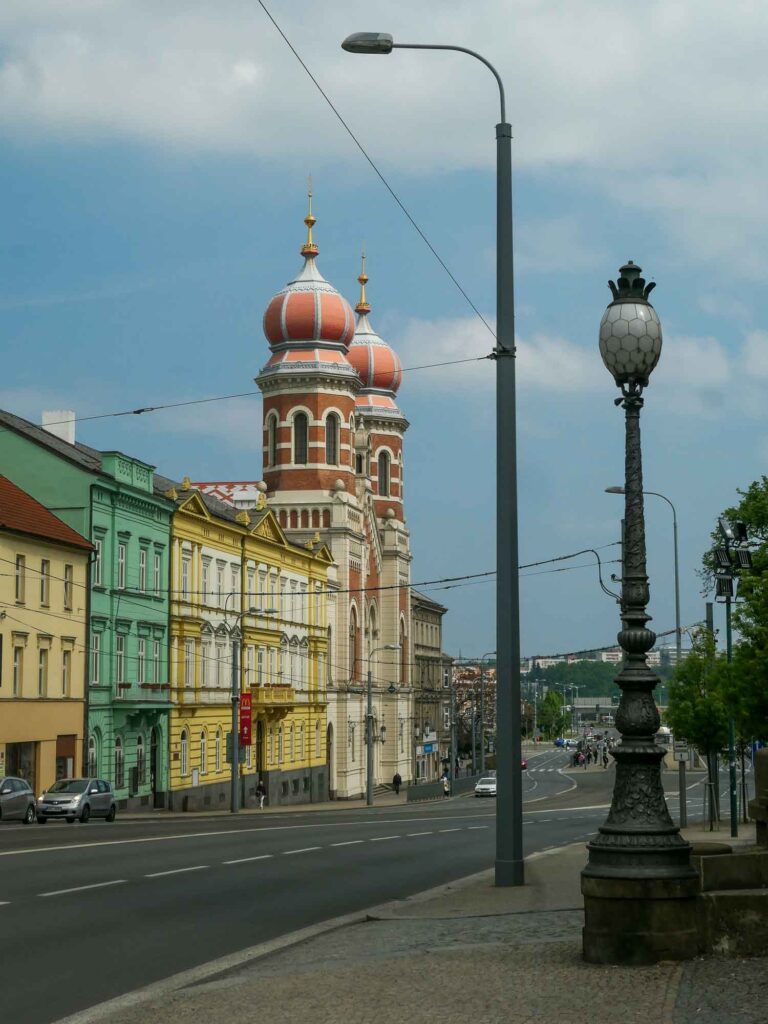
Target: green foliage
697	704
751	510
593	678
747	686
552	718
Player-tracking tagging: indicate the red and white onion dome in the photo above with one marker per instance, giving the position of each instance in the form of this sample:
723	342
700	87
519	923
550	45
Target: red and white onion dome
309	309
377	364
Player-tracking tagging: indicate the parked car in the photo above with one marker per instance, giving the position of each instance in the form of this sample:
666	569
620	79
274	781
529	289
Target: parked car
77	798
569	744
17	800
486	786
559	742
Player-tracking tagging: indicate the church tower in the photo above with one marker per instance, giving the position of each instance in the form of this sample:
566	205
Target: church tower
333	473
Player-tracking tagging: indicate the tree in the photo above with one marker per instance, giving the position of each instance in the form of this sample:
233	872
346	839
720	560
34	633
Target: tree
552	717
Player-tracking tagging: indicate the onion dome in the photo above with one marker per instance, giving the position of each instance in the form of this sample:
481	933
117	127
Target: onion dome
377	364
309	309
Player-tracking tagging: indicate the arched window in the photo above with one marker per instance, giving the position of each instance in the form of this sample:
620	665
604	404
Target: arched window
203	752
400	475
300	438
272	440
332	439
184	755
218	749
93	759
140	760
384	474
351	442
119	763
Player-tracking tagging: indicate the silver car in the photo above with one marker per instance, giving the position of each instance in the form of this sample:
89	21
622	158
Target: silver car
17	800
486	787
77	798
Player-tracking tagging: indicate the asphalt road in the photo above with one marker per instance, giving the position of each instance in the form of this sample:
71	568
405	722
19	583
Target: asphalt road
90	912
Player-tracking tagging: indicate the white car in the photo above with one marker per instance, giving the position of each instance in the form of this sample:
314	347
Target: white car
486	787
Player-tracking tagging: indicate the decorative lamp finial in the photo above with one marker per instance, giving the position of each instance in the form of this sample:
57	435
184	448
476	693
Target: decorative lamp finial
630	285
363	305
309	248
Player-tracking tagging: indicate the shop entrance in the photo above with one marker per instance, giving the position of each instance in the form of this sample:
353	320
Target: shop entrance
21	760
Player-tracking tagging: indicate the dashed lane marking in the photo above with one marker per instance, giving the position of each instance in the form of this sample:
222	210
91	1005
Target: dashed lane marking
82	888
450	830
304	849
472	828
413	834
349	842
380	839
244	860
176	871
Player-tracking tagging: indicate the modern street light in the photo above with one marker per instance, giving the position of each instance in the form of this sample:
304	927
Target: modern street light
369	724
678	628
639	887
235	794
509	804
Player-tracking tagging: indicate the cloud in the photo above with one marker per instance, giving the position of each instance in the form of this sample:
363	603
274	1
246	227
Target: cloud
559	243
754	356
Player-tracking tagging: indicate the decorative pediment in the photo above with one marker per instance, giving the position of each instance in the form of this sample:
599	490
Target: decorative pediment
195	506
323	554
269	529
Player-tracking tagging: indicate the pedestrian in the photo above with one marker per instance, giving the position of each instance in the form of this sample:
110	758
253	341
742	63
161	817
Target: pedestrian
261	792
446	786
605	757
589	755
396	782
581	760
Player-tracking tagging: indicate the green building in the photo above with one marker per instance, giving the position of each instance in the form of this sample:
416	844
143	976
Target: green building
111	498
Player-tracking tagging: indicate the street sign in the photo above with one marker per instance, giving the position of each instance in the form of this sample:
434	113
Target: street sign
245	720
681	751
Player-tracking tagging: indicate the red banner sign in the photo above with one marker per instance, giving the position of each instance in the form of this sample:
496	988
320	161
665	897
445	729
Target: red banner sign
246	738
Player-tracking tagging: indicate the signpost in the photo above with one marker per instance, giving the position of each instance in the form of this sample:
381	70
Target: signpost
681	753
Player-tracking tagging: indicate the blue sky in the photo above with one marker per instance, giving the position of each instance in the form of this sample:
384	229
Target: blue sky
153	173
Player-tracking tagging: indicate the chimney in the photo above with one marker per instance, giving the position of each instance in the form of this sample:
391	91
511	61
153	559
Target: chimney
60	423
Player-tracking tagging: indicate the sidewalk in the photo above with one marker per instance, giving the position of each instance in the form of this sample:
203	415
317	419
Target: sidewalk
381	800
466	953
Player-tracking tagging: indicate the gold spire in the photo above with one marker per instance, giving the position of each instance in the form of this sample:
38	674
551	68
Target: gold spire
363	305
309	248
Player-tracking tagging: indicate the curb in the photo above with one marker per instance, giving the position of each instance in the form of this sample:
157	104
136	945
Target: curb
214	968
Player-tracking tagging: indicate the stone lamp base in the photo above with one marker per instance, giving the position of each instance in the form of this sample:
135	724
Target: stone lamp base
640	921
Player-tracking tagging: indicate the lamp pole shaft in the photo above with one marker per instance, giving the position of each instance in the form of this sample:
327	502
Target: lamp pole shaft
732	781
482	722
678	631
369	741
235	796
509	868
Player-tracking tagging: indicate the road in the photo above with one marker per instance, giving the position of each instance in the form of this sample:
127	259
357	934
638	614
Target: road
90	912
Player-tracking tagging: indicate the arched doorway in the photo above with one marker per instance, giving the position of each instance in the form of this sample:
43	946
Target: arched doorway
330	759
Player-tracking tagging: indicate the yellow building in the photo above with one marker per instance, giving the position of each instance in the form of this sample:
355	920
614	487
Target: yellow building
237	581
43	615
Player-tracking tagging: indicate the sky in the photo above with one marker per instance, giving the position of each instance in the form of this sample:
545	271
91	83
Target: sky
153	175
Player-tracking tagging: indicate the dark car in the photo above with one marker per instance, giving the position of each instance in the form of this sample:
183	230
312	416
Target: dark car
77	798
17	800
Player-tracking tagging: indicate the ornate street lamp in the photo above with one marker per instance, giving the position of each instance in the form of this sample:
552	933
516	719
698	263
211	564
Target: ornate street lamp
639	887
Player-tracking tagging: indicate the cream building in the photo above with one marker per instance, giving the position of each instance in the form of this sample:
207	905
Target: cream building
43	615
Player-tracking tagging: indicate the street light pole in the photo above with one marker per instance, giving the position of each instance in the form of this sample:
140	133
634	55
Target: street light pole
639	887
369	723
509	803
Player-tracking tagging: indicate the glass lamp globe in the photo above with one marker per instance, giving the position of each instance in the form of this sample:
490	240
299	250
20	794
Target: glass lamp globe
630	331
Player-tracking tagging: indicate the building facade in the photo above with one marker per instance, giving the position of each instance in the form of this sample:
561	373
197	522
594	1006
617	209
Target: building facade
245	602
333	466
111	499
43	629
432	689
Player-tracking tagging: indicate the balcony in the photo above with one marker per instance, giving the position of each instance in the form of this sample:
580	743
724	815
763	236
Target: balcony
274	700
142	693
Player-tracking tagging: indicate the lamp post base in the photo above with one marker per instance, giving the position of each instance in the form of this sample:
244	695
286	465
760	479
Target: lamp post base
635	921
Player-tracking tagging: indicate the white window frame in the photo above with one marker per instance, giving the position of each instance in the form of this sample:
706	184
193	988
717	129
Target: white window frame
217	748
203	752
143	570
206	580
20	581
18	670
119	763
156	661
95	666
66	672
98	553
119	658
141	660
184	752
69	586
121	558
157	572
189	663
186	576
45	582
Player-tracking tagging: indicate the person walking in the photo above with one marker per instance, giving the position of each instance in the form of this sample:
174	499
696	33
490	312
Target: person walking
446	786
261	792
396	782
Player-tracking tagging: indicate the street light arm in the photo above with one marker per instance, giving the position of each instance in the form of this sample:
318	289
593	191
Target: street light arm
472	53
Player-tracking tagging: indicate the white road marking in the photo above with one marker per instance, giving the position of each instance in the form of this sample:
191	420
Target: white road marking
4	903
176	871
82	888
243	860
473	828
304	849
369	823
349	842
450	830
412	834
380	839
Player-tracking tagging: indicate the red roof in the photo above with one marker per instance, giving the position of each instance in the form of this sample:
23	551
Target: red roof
21	513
